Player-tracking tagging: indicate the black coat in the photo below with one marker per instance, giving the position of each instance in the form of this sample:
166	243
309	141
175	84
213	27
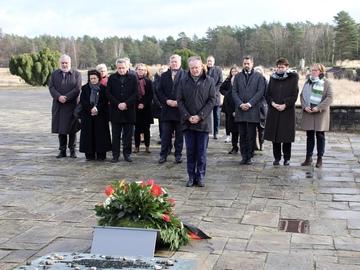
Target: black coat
224	88
229	106
156	98
280	126
118	91
168	90
196	99
216	74
95	133
145	115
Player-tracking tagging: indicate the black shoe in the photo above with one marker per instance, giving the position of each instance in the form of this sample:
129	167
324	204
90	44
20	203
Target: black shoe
178	159
276	162
72	153
159	142
61	154
162	159
128	158
201	183
243	161
190	182
249	161
286	162
115	159
233	151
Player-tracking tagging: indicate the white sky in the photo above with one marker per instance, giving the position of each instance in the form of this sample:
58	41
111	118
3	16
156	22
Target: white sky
159	18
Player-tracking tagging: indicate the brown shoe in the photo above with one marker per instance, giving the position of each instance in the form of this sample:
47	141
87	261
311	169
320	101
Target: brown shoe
308	161
319	162
136	150
148	149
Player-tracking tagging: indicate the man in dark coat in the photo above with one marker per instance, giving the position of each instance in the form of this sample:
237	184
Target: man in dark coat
196	99
170	115
122	92
216	74
65	84
247	92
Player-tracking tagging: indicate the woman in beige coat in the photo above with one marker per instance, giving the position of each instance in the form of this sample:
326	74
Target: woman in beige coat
316	98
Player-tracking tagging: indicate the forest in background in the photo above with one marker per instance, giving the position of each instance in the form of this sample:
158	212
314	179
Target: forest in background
320	42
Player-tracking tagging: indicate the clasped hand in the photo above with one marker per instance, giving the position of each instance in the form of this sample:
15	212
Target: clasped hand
194	119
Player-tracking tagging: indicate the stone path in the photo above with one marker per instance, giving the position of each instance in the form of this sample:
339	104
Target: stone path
46	204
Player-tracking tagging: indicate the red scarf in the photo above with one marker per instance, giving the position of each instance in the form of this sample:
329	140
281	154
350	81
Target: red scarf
142	84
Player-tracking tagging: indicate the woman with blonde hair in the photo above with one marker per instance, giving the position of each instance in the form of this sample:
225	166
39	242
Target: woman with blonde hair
316	98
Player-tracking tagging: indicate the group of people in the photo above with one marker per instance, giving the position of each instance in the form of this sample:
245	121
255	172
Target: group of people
187	105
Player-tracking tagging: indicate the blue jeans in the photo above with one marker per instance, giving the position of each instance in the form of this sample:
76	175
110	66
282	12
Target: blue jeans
216	118
310	142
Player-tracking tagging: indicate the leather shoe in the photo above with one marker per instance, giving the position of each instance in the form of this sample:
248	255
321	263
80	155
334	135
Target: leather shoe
128	158
136	150
276	162
162	159
148	150
243	161
114	160
178	159
233	151
190	182
61	154
249	161
201	183
72	154
286	162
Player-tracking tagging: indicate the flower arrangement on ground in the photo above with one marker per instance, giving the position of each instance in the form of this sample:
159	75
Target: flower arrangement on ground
142	204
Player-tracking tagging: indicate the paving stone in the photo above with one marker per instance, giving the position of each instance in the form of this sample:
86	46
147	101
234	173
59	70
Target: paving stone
261	219
289	262
328	227
347	243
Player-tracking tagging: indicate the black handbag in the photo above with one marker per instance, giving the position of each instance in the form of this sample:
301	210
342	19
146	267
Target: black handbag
78	111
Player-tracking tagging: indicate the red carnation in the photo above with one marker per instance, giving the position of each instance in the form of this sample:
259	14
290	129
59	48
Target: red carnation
156	190
109	191
166	218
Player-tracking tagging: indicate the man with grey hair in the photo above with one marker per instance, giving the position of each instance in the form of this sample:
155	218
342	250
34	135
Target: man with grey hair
196	99
170	115
65	85
122	92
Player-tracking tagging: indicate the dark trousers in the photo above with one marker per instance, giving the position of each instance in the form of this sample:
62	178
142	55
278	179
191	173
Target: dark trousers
116	130
142	129
286	149
235	140
247	133
196	144
227	128
261	132
216	119
168	127
63	141
310	142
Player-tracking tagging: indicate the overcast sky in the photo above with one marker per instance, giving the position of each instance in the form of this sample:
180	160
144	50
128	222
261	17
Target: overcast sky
159	18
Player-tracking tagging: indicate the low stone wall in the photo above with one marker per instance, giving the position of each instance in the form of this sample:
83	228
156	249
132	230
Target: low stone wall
342	118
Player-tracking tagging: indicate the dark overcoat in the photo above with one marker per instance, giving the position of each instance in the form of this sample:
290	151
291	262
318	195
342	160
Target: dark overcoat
248	92
216	74
229	108
280	125
196	99
168	90
145	115
63	120
224	88
122	89
95	132
156	99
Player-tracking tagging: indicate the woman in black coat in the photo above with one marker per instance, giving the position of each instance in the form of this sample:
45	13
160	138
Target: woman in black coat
144	115
95	134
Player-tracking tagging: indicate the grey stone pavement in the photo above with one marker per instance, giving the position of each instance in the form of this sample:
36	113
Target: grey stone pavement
46	204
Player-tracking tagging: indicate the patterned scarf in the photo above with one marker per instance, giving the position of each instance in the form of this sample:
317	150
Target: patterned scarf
142	84
94	96
317	89
282	76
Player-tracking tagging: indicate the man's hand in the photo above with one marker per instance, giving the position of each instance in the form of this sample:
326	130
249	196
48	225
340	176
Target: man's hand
194	119
171	103
122	106
62	99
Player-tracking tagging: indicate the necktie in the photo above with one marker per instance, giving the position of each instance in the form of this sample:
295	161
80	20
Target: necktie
64	74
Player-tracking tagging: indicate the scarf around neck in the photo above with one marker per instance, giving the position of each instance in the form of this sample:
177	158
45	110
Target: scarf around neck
317	89
142	84
94	96
283	76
